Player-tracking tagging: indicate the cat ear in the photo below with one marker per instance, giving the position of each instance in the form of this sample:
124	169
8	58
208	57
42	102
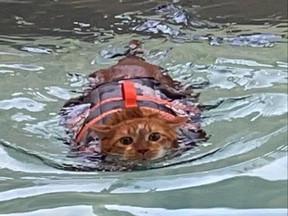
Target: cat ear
176	122
101	130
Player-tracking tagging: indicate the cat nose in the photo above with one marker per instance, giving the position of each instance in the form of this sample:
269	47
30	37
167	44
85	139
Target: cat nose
142	151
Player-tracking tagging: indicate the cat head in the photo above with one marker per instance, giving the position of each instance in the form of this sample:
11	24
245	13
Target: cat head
140	138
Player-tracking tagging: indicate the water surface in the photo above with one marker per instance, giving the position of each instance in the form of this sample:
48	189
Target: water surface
234	53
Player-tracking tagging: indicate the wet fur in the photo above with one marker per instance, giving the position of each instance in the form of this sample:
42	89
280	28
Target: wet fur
138	124
135	122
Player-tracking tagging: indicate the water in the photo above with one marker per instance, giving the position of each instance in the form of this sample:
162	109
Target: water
235	53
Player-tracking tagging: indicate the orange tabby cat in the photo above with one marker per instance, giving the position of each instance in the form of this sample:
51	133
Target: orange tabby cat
138	134
134	108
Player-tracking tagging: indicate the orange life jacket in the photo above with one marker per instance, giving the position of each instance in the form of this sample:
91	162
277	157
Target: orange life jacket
111	97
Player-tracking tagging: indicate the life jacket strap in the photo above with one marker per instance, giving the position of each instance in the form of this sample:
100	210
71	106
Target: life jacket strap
129	93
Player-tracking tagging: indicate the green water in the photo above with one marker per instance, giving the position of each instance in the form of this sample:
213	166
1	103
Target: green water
248	176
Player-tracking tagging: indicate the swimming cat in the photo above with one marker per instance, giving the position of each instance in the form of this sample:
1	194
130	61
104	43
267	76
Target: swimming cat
132	110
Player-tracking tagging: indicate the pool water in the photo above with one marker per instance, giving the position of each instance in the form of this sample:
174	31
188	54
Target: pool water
233	53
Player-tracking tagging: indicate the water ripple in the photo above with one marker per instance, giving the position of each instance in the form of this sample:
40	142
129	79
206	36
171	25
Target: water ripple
44	129
265	104
75	210
143	185
19	117
22	103
58	92
241	146
37	49
140	211
251	63
228	77
26	67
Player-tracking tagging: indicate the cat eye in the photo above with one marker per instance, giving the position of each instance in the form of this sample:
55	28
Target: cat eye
154	137
126	140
